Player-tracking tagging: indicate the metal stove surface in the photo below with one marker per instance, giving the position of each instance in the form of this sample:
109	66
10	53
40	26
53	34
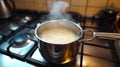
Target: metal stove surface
15	41
19	45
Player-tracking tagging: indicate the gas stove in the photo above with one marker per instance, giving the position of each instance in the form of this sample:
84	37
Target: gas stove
18	44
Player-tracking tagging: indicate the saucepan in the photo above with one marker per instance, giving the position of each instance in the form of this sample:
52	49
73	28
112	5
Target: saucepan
59	39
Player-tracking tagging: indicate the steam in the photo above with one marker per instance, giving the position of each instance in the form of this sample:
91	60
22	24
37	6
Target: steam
58	11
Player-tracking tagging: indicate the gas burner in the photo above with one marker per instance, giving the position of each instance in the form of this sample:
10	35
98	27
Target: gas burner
76	16
19	40
20	44
26	19
13	26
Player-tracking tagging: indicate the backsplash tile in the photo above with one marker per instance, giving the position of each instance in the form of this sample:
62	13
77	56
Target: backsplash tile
40	7
97	3
81	10
115	3
40	1
79	2
92	10
84	7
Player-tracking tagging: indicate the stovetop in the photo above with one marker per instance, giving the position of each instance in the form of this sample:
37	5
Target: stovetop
18	45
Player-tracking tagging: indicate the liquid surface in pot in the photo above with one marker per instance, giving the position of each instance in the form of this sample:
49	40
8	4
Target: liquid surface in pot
58	36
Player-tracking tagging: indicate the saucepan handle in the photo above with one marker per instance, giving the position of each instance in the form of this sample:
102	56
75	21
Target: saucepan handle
90	38
104	35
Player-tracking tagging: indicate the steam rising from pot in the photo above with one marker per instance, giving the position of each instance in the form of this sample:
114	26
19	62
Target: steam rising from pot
58	11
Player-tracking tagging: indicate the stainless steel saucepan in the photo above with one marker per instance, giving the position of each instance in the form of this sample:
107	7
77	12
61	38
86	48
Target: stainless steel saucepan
61	53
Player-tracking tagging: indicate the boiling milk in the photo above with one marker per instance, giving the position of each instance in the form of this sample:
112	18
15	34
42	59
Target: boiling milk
58	36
